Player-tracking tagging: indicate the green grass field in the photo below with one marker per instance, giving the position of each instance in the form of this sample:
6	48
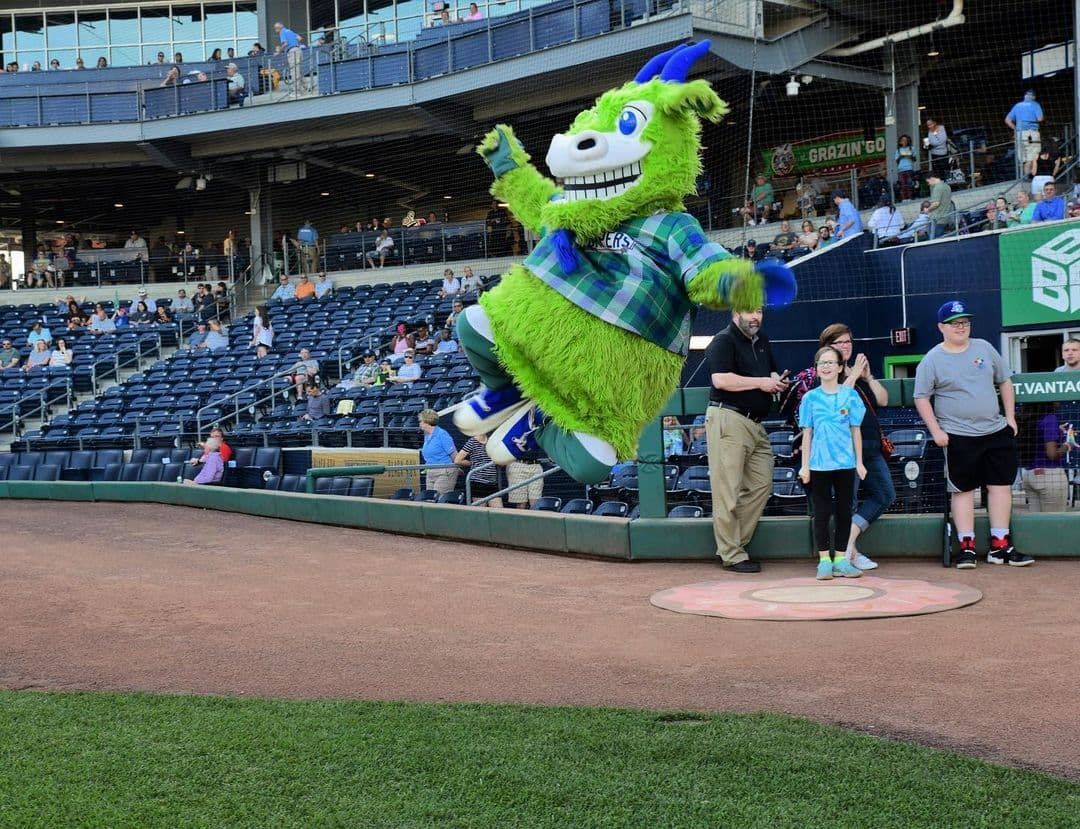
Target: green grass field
138	760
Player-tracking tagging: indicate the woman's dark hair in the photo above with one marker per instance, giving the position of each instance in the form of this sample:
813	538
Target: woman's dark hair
900	140
142	306
263	316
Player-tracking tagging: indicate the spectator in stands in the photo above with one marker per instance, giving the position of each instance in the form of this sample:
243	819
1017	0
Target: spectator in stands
285	291
54	64
39	357
401	342
120	318
290	46
172	77
213	465
470	282
79	63
964	377
216	340
100	322
423	344
997	214
848	220
920	227
383	247
38	332
907	162
484	480
142	315
385	373
526	468
203	301
75	312
762	198
142	296
9	356
451	285
197	340
1070	355
236	83
162	317
182	305
366	373
744	379
305	288
751	251
35	66
215	56
61	355
1052	206
374	225
451	321
323	287
808	238
160	60
674	437
1024	119
438	449
446	344
474	13
308	239
941	206
5	271
886	221
256	50
229	247
102	63
38	276
74	324
318	406
230	53
304	371
410	370
135	242
830	417
936	144
1047	167
784	241
1043	445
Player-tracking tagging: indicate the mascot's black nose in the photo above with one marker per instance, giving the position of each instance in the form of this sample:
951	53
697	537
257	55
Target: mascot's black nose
586	143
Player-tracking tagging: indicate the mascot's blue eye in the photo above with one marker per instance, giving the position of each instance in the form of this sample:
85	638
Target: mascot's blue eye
627	122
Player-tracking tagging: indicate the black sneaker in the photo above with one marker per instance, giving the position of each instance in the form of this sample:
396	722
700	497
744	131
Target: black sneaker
744	567
1009	555
965	560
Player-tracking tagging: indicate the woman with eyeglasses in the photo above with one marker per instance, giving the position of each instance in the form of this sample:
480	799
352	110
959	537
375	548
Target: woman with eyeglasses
876	491
830	417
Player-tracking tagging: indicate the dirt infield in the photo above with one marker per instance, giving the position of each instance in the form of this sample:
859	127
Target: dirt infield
158	598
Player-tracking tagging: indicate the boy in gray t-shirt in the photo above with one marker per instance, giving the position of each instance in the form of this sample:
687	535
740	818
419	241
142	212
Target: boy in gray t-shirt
964	377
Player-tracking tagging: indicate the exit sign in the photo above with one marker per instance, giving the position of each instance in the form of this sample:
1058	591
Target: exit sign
902	336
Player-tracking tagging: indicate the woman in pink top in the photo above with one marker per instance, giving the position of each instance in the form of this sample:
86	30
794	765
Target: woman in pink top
474	12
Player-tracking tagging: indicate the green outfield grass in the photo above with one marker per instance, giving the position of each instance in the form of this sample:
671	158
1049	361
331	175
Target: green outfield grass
138	760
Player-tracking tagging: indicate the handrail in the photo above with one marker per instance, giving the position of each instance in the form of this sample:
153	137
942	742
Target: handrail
246	390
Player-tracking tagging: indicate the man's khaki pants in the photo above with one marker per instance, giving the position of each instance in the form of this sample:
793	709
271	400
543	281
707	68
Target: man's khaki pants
740	469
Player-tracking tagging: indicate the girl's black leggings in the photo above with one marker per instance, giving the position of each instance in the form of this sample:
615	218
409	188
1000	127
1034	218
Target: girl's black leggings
832	494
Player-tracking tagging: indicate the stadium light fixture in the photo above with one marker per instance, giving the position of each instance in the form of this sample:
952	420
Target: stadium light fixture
448	197
118	204
932	52
324	194
59	221
369	175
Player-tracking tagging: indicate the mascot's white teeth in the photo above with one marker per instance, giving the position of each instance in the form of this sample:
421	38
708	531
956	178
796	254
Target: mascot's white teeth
603	185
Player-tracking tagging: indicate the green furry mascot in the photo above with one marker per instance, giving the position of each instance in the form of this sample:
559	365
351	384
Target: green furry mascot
581	346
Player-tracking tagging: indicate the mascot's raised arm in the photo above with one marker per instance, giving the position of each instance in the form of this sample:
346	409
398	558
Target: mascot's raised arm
580	347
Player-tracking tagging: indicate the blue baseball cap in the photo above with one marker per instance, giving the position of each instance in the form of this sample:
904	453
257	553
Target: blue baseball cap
954	309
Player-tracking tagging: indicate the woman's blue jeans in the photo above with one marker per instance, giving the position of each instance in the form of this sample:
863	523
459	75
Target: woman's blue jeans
876	492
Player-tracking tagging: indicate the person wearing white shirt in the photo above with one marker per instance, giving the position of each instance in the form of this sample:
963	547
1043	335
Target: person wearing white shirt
151	306
920	225
135	242
451	285
323	287
383	246
886	221
470	282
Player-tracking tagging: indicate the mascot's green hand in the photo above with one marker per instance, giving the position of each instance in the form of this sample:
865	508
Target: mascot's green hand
501	151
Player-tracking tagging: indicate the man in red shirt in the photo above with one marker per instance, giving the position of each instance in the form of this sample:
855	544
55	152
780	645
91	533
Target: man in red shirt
226	450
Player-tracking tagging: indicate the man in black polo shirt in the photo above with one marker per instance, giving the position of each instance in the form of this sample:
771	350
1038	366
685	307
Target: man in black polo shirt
744	379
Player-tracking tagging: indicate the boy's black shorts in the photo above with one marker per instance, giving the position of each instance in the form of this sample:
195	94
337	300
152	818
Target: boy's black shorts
986	460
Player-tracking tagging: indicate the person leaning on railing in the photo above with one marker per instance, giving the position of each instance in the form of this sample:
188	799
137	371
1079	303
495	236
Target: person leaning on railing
438	449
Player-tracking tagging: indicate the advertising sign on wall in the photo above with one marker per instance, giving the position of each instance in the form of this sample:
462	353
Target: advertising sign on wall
1040	275
825	154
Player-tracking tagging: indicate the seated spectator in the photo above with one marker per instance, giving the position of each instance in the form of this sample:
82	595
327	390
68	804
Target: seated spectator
451	320
919	229
142	315
9	357
305	288
216	339
751	251
386	372
74	324
1052	206
38	332
446	343
825	237
39	357
384	245
1073	210
162	317
886	221
409	371
172	77
484	480
366	373
197	340
73	310
221	301
236	84
474	13
451	285
762	198
61	355
785	241
213	465
674	438
470	282
1024	210
401	342
120	318
100	322
323	287
303	372
261	351
285	291
102	63
423	343
141	296
808	238
318	406
218	434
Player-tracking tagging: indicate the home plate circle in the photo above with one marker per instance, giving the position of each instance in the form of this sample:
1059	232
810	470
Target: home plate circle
807	599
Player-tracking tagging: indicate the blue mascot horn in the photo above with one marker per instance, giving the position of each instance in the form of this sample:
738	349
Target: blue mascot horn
674	64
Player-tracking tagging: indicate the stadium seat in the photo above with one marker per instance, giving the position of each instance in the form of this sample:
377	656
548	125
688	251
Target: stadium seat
403	494
362	487
548	503
111	472
130	472
686	511
788	496
456	497
293	483
577	506
612	509
150	472
46	472
696	479
427	495
78	467
20	472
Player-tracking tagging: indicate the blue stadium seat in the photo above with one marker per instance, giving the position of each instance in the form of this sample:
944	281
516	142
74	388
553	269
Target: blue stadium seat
577	506
131	471
612	509
548	503
20	472
457	497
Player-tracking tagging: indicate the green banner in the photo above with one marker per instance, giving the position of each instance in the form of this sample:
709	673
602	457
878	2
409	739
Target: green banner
1047	387
1040	274
825	154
